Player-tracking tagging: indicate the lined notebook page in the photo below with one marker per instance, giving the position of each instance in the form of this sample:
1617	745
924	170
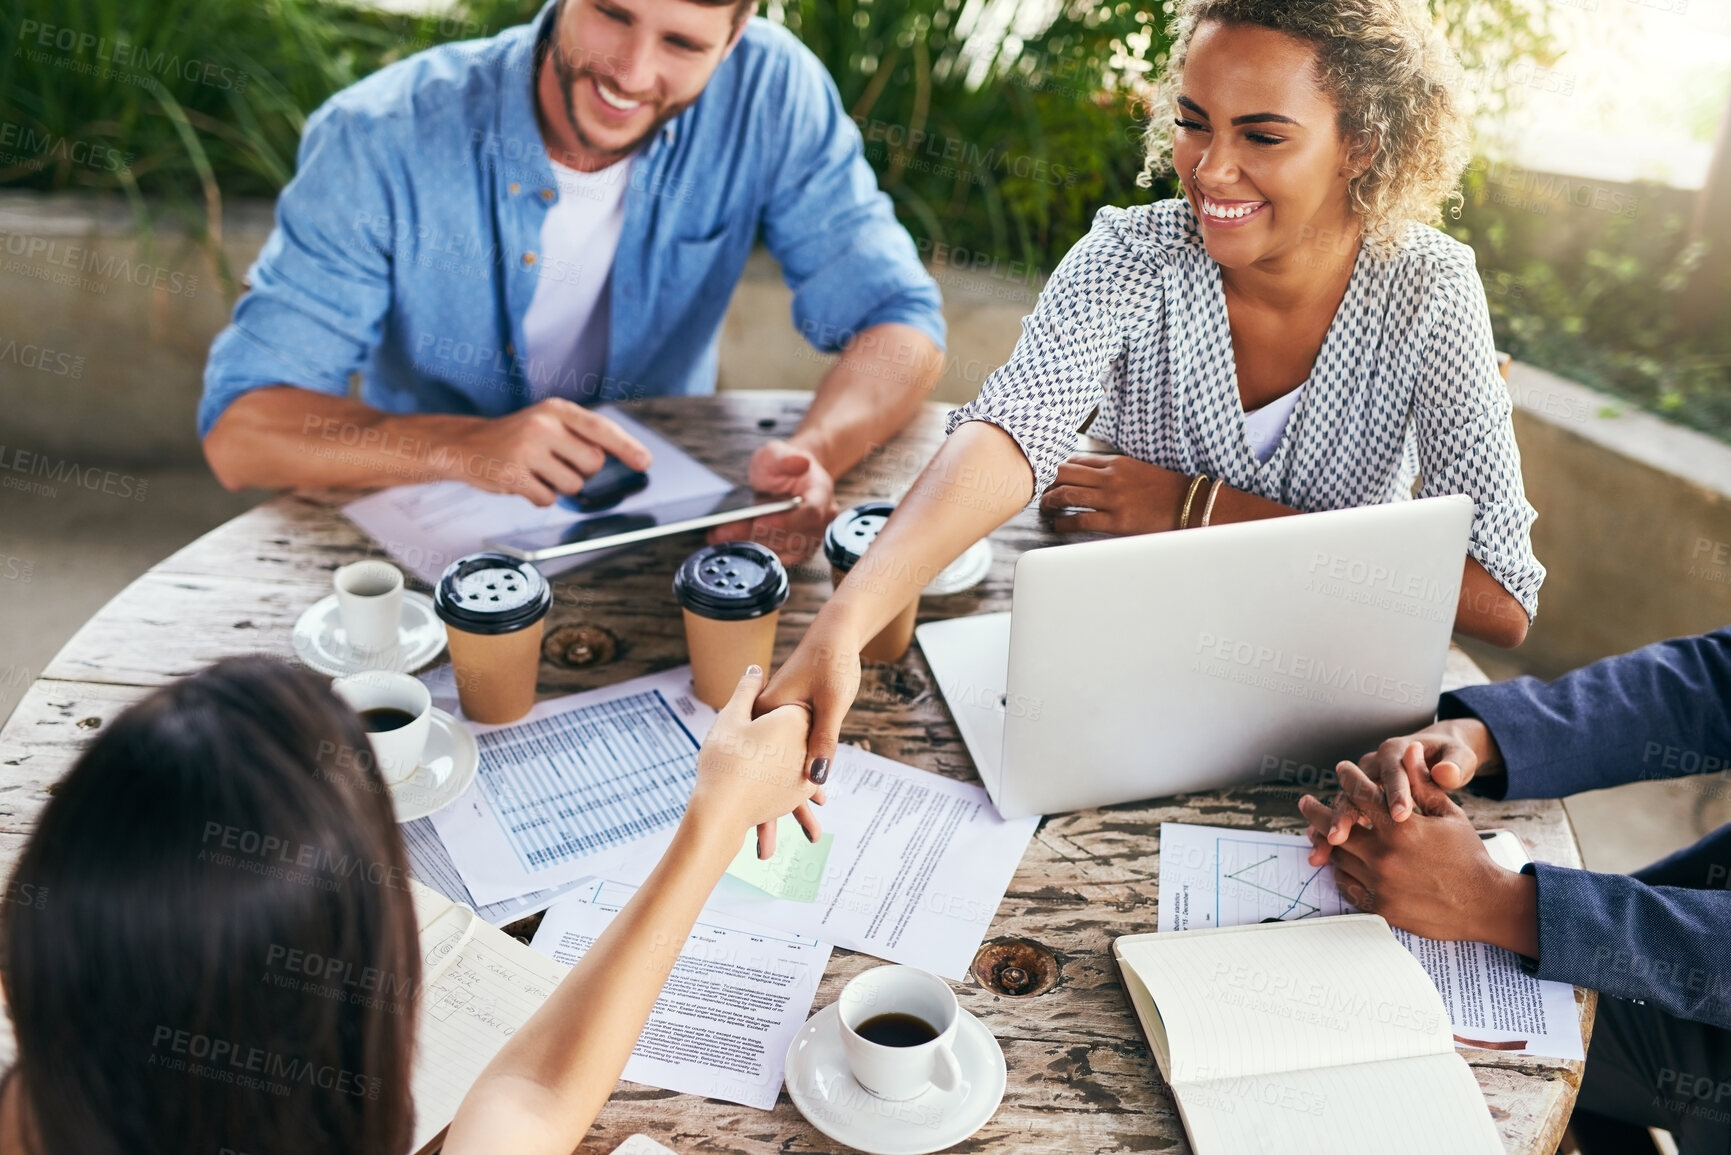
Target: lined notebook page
1255	1000
1424	1106
480	986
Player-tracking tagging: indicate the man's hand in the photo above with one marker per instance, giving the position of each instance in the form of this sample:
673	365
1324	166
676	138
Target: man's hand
542	451
1448	754
786	470
1430	874
1120	494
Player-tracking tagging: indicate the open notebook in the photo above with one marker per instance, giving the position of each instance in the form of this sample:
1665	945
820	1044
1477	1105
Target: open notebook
1322	1035
478	985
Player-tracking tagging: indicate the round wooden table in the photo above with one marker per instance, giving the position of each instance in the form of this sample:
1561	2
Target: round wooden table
1080	1075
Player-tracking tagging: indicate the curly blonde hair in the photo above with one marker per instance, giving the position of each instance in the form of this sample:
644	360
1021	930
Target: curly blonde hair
1392	77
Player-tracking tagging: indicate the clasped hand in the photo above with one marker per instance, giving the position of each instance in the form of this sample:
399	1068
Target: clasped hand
1402	848
1116	494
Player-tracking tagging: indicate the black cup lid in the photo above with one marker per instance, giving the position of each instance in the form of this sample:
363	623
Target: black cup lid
731	581
853	531
489	593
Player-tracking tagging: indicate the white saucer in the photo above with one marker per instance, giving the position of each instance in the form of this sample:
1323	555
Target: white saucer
965	572
821	1086
322	643
447	767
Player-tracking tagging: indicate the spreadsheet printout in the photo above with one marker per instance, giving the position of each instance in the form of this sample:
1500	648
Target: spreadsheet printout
567	791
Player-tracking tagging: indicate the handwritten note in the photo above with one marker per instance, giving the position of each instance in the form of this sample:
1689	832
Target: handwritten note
481	987
796	870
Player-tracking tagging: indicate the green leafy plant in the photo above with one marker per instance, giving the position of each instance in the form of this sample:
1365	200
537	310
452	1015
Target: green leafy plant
997	142
181	103
1603	311
994	145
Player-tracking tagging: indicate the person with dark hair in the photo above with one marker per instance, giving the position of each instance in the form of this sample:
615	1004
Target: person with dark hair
497	235
1291	334
1651	943
223	822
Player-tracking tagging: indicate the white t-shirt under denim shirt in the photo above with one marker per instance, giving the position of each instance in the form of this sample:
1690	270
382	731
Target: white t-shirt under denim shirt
566	325
1134	319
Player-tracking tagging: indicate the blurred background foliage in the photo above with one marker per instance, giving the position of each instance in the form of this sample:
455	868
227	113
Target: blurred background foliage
997	126
1604	309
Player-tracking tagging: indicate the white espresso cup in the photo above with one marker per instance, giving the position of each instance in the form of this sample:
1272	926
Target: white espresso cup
370	603
900	1072
397	750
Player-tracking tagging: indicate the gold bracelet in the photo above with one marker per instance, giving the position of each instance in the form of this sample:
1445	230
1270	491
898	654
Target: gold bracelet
1189	498
1213	492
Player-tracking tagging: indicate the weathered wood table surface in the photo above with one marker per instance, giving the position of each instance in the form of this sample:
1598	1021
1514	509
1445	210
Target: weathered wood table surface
1080	1075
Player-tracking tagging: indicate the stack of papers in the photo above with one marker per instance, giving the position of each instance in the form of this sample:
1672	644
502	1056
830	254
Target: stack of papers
574	805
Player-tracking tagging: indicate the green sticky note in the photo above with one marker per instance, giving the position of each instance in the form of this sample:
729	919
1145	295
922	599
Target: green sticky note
796	871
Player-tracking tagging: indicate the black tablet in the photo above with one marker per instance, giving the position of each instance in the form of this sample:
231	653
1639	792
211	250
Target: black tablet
611	530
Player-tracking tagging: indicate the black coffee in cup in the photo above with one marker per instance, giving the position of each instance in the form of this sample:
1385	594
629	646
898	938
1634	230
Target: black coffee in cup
383	718
896	1030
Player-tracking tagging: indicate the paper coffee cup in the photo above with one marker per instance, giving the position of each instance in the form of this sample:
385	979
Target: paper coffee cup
913	995
844	543
370	604
731	595
397	750
494	609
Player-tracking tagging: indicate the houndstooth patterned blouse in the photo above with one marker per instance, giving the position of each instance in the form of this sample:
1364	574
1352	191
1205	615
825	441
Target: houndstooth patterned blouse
1405	383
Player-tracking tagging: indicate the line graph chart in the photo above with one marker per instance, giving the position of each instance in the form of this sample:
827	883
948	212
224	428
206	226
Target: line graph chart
1270	880
1221	876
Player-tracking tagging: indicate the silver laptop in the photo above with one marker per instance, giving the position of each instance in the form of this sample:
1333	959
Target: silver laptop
1170	662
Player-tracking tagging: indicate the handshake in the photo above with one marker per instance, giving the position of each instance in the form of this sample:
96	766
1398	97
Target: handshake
751	771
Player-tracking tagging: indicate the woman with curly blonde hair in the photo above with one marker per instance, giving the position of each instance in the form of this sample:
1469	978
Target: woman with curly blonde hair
1289	335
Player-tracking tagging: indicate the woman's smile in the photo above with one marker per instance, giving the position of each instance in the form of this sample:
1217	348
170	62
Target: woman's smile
1229	214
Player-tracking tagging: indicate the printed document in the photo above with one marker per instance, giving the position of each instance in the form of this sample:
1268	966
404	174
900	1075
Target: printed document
915	874
1227	876
427	527
730	1009
566	792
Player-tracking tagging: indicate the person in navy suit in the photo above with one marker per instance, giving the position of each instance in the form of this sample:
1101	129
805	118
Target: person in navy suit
1657	943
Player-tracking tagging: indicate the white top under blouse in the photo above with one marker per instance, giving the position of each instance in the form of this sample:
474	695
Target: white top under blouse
1266	425
1404	388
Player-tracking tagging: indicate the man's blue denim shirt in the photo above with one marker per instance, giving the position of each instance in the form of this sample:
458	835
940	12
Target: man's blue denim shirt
406	247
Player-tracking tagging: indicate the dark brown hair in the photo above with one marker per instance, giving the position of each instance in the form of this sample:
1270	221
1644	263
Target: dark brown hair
208	942
1394	82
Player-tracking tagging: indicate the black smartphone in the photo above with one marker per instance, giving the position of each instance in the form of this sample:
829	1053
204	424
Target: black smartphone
607	487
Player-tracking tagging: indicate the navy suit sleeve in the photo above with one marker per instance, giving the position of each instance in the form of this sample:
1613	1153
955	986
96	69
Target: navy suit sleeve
1659	712
1622	936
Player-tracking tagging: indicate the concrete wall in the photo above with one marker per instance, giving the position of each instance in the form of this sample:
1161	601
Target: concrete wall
103	336
103	339
1634	523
